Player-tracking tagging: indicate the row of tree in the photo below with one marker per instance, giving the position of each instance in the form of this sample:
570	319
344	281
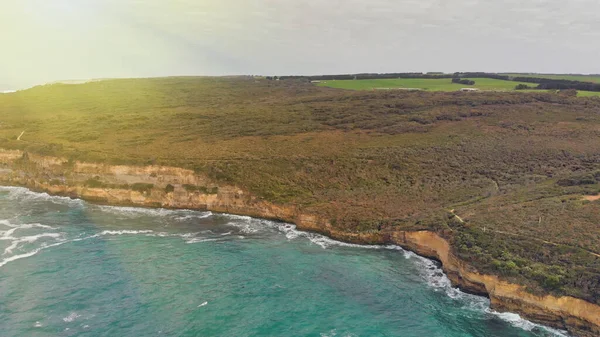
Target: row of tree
370	76
543	83
546	83
463	81
584	86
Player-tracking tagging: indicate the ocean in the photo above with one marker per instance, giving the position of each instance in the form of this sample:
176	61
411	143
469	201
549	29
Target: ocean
71	268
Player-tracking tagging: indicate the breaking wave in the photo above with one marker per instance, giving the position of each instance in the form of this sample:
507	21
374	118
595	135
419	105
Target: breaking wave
16	248
429	270
177	214
46	237
23	194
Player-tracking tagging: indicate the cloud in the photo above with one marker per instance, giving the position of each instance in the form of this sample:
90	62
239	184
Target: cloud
61	39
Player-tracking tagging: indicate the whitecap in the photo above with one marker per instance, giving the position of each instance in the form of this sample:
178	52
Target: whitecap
331	333
29	254
6	223
435	277
200	215
237	217
244	227
71	317
125	232
177	214
29	239
165	234
198	240
23	194
429	270
203	304
136	211
323	241
14	227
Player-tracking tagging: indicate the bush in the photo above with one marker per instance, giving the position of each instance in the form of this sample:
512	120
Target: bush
169	188
552	282
190	188
460	81
522	87
201	189
577	181
93	183
568	92
142	187
55	182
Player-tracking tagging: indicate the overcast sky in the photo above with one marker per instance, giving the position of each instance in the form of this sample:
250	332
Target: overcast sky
48	40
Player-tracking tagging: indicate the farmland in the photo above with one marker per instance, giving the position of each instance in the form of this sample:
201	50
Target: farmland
444	84
424	84
514	166
581	78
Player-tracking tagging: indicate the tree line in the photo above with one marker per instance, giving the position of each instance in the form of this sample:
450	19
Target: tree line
372	76
543	83
547	83
463	81
367	76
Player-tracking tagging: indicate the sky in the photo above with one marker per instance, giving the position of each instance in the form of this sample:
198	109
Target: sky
47	40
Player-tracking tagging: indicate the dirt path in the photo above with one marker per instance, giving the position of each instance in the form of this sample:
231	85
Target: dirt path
532	238
541	240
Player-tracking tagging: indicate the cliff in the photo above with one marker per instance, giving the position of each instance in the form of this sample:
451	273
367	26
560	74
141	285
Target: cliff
171	187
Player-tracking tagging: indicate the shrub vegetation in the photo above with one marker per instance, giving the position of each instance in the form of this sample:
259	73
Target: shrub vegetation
514	166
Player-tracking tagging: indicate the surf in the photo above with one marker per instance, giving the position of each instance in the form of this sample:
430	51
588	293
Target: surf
24	240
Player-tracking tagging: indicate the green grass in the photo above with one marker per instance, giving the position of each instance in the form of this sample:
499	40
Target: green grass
582	78
425	84
489	84
369	161
588	93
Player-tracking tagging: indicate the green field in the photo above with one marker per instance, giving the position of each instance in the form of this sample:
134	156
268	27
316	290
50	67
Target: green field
444	84
588	94
582	78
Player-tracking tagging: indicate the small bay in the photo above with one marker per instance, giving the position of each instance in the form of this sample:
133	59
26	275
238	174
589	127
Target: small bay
70	268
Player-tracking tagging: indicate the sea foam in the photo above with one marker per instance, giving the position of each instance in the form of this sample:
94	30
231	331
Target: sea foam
177	214
23	194
429	270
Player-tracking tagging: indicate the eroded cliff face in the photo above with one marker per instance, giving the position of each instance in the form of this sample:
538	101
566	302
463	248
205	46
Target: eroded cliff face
171	187
578	316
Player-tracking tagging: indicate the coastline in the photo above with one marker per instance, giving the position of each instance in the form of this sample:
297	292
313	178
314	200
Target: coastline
57	176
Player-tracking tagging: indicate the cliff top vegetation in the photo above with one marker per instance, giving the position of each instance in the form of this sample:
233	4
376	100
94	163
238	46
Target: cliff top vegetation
503	175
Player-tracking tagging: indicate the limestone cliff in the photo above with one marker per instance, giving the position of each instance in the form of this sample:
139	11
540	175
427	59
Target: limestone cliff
171	187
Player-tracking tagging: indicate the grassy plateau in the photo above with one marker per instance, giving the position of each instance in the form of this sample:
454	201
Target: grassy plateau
443	84
507	177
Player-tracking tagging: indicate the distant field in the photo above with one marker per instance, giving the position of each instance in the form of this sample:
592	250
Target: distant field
582	78
444	84
588	94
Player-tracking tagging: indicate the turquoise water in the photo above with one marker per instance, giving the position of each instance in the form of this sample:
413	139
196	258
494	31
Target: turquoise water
69	268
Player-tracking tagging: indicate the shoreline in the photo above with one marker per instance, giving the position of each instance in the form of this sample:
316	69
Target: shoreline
326	242
47	175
